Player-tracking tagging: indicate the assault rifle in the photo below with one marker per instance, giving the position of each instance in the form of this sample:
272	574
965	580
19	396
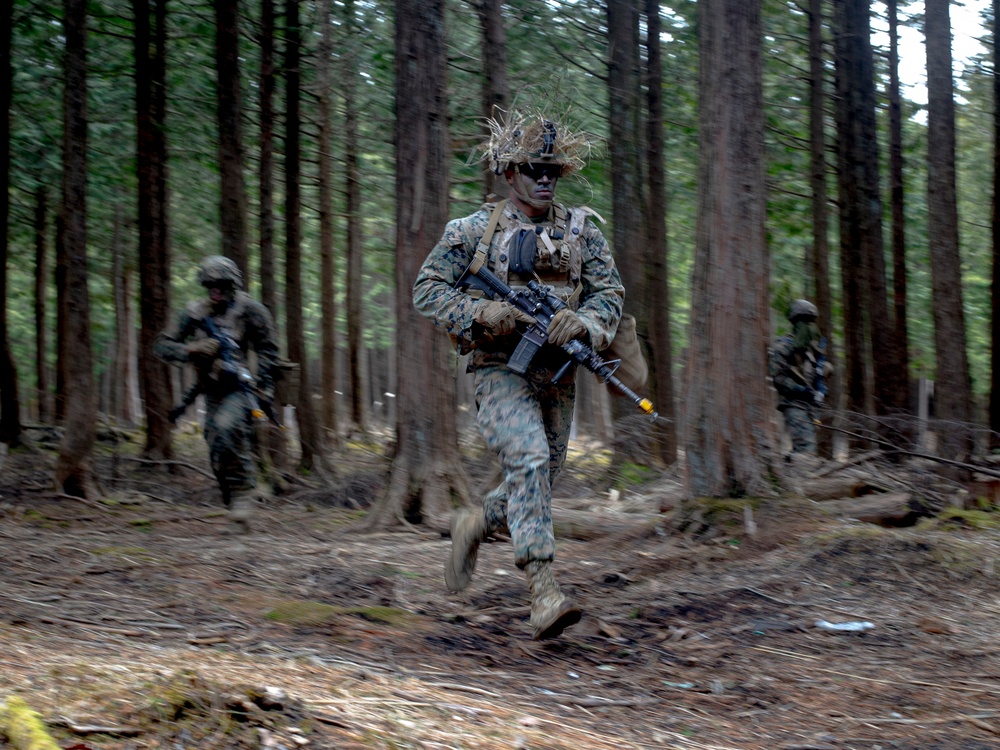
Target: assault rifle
231	356
539	302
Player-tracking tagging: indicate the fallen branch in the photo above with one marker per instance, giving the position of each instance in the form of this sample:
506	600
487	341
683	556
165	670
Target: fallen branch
83	729
173	462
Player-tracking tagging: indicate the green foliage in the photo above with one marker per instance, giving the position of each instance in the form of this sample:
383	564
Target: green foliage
556	53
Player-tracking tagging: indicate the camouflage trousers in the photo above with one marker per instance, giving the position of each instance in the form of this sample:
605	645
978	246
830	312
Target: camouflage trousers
801	429
526	420
229	434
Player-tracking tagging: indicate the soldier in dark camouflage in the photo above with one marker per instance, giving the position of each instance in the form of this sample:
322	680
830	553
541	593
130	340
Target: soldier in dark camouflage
228	421
525	418
797	366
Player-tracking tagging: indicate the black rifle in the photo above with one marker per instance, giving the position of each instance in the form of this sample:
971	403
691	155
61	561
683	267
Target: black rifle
231	356
539	302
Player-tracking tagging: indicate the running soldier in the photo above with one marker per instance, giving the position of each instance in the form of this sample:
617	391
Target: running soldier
799	371
223	377
525	418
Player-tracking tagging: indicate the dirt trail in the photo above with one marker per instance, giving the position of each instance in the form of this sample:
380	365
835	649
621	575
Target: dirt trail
144	615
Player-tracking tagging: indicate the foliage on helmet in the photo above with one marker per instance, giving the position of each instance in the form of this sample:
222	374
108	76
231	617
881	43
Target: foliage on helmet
802	308
523	137
216	268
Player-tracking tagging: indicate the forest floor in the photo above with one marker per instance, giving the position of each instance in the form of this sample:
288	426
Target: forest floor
137	621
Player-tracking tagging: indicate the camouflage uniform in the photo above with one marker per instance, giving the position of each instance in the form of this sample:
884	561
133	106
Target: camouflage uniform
794	375
228	423
525	419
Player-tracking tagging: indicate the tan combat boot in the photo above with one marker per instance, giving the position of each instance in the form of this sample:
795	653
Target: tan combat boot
551	612
468	531
241	508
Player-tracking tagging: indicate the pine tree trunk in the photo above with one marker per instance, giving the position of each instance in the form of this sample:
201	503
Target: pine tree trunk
153	208
357	392
10	418
818	265
627	199
848	193
495	90
328	340
953	388
229	102
995	282
73	475
268	273
660	338
426	475
310	437
898	206
732	448
41	289
864	215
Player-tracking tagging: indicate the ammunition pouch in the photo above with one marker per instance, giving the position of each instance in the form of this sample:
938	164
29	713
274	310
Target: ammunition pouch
287	381
633	370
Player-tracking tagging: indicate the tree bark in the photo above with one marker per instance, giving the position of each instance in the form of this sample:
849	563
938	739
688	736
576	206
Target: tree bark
229	102
660	337
426	477
42	383
953	388
153	208
732	447
898	206
632	256
10	418
73	475
310	437
994	408
268	273
496	90
848	196
818	269
328	347
357	391
863	214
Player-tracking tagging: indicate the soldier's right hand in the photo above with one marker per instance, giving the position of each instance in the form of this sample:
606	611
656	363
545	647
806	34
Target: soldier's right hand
204	349
498	317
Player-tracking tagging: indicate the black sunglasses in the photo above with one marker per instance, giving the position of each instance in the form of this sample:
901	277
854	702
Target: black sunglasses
537	171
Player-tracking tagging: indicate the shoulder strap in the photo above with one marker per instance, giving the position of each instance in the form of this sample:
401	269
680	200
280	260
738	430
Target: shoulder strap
483	246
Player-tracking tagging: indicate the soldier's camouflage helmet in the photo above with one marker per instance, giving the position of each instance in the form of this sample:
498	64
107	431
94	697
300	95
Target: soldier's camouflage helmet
802	308
520	138
216	268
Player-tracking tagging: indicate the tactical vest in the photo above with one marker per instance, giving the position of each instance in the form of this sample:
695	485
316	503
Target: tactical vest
551	252
232	322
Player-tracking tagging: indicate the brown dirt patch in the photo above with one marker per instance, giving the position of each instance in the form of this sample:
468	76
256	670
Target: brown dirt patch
144	614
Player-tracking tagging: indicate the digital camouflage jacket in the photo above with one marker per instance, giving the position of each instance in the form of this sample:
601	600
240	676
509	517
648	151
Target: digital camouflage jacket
590	266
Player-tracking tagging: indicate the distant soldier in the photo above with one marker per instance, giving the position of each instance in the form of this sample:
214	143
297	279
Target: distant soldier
799	370
230	391
525	418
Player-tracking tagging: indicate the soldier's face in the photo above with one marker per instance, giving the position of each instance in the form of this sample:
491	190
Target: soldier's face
537	182
219	291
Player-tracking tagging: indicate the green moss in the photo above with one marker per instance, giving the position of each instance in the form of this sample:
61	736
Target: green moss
24	727
630	474
312	613
952	518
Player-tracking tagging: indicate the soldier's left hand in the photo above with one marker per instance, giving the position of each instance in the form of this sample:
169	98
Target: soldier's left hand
566	326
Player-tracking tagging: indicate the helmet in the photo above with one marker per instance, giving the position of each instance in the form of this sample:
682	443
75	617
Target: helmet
520	138
216	268
802	308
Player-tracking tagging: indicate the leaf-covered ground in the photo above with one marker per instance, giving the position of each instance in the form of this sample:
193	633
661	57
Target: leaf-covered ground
140	616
